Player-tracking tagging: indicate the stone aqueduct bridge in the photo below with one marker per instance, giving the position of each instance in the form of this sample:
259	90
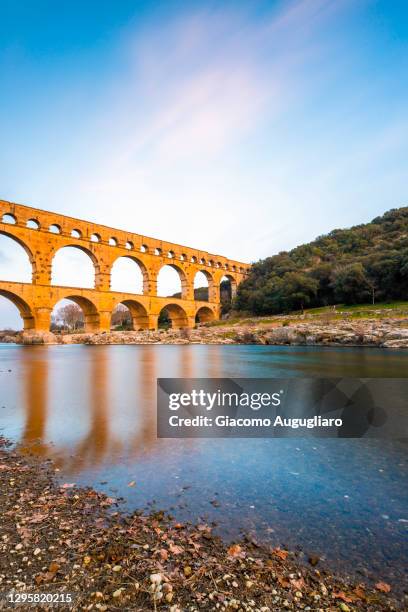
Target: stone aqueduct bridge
43	233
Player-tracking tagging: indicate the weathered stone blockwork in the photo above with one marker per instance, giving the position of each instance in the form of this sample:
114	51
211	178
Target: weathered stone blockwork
30	227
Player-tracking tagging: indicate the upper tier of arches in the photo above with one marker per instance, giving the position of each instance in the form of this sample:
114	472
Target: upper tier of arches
22	217
44	257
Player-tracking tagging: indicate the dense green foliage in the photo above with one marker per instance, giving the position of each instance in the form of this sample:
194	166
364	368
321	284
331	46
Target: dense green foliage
363	264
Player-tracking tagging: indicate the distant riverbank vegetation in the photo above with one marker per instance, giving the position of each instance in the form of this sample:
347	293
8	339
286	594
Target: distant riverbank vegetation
366	263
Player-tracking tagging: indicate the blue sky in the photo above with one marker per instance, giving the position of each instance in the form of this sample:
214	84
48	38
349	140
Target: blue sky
243	128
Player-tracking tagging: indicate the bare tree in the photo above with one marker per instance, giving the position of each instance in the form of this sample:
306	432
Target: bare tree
121	317
372	285
71	316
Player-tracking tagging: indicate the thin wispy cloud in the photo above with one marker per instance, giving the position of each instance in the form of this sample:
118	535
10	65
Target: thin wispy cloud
193	94
239	128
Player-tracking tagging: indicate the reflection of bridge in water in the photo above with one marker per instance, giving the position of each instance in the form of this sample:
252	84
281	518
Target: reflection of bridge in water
83	416
42	234
41	403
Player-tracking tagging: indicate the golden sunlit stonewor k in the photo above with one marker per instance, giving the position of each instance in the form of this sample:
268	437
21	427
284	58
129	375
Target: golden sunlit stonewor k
43	233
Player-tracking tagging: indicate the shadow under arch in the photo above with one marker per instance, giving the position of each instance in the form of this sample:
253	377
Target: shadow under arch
177	315
25	310
142	267
140	317
204	315
78	247
182	276
26	248
228	291
202	293
91	313
232	281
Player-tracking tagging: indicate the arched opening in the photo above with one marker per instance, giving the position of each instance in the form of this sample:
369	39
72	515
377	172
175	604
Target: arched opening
54	229
95	238
128	274
33	224
74	314
204	315
9	218
113	241
16	260
15	313
171	282
172	315
129	314
121	319
67	317
228	289
76	233
73	266
202	284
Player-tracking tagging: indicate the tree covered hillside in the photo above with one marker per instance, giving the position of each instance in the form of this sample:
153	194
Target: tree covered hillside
364	263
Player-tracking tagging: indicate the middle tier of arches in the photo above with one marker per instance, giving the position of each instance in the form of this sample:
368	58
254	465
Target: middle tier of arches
79	266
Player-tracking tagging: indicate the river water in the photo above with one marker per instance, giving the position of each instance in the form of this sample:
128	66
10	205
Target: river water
92	409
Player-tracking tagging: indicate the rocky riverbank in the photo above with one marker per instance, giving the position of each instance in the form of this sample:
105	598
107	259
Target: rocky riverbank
62	539
384	332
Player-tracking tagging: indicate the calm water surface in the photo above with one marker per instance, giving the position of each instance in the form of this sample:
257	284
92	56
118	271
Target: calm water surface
92	409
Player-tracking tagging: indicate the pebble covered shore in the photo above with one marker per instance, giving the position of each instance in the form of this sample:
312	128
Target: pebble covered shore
60	538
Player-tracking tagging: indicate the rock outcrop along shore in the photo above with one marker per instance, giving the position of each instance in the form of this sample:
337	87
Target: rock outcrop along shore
385	333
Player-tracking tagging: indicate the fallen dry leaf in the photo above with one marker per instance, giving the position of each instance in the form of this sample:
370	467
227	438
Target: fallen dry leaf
203	527
359	592
383	587
37	517
298	584
176	550
283	582
341	595
282	554
235	551
24	533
